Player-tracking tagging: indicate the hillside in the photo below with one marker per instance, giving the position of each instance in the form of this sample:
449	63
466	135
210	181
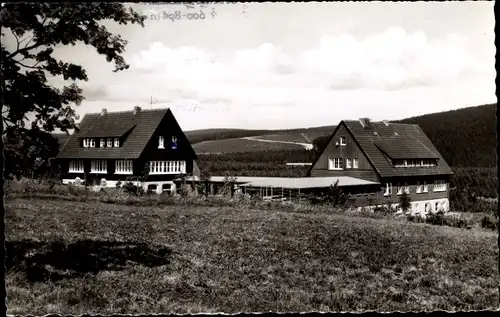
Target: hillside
465	137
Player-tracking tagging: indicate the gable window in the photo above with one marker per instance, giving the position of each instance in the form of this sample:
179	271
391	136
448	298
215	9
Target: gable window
167	167
161	141
75	166
348	163
173	145
419	188
342	141
98	166
388	189
110	142
103	142
425	190
335	163
117	142
355	163
439	186
123	167
400	189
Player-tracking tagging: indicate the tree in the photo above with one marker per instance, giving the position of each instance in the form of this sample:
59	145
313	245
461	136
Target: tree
320	143
404	202
37	28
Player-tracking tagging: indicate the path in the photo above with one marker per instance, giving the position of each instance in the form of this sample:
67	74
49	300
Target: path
307	146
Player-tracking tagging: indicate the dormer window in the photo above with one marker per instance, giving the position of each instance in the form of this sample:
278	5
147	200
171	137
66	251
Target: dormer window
86	142
173	146
342	141
117	142
161	142
110	142
102	143
92	142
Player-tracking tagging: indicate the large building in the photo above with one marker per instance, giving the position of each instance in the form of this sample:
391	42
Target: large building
398	156
125	146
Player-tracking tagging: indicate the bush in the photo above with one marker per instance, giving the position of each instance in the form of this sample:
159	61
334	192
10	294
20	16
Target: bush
489	223
132	189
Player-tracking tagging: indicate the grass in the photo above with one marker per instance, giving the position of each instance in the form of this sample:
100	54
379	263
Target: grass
91	257
241	145
293	137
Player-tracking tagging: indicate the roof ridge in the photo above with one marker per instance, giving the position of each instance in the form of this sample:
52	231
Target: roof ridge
127	111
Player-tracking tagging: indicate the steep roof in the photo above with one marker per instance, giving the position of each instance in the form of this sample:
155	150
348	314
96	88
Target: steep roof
141	125
382	142
395	141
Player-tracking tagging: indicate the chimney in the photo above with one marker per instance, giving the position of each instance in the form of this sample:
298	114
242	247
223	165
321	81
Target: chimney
365	122
104	111
137	109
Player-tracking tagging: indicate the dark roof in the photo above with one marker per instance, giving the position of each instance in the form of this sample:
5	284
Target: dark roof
382	142
410	137
62	138
144	124
402	148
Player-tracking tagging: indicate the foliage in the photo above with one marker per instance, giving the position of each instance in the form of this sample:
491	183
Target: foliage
404	202
319	144
27	95
489	222
464	137
133	189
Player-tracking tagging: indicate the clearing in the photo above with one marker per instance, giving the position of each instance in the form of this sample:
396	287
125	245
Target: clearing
76	258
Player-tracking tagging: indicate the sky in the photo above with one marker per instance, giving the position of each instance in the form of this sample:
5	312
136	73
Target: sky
293	65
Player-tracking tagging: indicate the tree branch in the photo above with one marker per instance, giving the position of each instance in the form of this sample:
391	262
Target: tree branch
27	66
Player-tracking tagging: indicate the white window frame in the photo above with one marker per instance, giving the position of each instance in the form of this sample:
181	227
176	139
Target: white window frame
174	140
102	142
425	188
348	163
92	143
335	164
109	142
355	163
124	167
76	166
167	167
405	163
99	167
419	188
343	140
86	142
116	142
406	188
161	142
439	186
400	189
388	189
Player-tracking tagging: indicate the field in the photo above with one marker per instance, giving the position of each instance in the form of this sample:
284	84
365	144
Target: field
293	137
241	145
89	257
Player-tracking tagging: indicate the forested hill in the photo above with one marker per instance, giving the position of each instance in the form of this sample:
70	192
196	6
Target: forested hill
465	137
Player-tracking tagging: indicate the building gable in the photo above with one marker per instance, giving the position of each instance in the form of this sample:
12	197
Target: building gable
350	150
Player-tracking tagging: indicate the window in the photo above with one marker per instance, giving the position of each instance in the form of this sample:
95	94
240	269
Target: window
405	163
92	142
355	163
123	167
98	166
439	186
400	189
436	206
110	142
348	163
342	140
335	164
103	142
407	188
167	167
388	189
173	146
419	188
425	187
117	142
76	166
161	142
86	143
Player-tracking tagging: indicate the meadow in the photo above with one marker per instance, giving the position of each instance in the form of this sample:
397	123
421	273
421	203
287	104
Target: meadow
88	256
241	145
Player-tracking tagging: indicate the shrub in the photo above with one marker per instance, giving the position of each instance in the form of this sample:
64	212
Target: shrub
489	223
130	188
